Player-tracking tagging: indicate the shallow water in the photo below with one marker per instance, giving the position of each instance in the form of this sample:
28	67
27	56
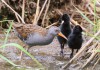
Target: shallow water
47	55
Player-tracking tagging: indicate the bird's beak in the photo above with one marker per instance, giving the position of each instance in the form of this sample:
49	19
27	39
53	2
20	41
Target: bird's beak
60	34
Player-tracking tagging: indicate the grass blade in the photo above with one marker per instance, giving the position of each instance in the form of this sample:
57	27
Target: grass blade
8	33
7	60
97	50
22	49
84	16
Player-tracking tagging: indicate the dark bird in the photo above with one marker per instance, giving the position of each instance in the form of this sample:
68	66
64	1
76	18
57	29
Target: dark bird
75	39
34	35
65	29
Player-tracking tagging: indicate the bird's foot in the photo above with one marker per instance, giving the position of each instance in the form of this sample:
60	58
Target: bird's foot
61	54
71	55
21	54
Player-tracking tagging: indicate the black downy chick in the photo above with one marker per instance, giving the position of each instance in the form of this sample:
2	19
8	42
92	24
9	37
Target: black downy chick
65	29
75	39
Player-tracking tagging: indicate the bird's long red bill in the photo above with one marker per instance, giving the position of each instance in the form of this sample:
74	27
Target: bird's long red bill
60	34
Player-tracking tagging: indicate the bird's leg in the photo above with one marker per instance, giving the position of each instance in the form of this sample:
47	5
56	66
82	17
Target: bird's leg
76	50
71	55
28	49
22	53
62	47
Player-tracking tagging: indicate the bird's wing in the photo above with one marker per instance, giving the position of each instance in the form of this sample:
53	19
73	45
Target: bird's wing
25	29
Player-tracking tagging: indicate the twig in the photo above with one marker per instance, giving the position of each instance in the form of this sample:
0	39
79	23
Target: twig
52	25
23	9
45	12
13	11
81	50
90	10
58	11
37	13
90	58
98	57
92	47
42	10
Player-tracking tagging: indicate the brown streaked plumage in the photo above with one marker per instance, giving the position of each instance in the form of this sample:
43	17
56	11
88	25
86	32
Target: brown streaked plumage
25	29
35	35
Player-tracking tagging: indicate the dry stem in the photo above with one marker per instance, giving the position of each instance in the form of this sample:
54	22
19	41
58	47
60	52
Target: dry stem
13	11
23	9
45	12
81	50
42	10
37	13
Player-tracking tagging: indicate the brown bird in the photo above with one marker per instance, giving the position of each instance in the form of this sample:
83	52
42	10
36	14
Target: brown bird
34	35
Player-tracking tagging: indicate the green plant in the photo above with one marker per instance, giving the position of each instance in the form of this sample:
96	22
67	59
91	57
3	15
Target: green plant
9	61
22	49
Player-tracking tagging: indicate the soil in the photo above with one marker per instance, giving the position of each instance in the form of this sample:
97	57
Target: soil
48	55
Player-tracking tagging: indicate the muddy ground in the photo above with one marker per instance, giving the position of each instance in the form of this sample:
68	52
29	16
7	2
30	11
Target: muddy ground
48	55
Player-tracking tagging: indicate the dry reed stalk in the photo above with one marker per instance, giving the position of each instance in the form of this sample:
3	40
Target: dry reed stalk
37	13
23	9
92	47
13	11
51	25
91	57
42	9
46	12
96	63
18	19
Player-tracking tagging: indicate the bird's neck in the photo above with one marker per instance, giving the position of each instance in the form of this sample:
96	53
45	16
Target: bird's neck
77	33
49	38
65	20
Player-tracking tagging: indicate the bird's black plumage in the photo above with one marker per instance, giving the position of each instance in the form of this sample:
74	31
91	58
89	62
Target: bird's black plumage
75	39
65	29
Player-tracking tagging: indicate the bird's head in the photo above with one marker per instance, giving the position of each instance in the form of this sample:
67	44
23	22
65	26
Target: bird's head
64	18
77	29
55	31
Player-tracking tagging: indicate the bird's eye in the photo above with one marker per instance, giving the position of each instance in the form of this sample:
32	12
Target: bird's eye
57	31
